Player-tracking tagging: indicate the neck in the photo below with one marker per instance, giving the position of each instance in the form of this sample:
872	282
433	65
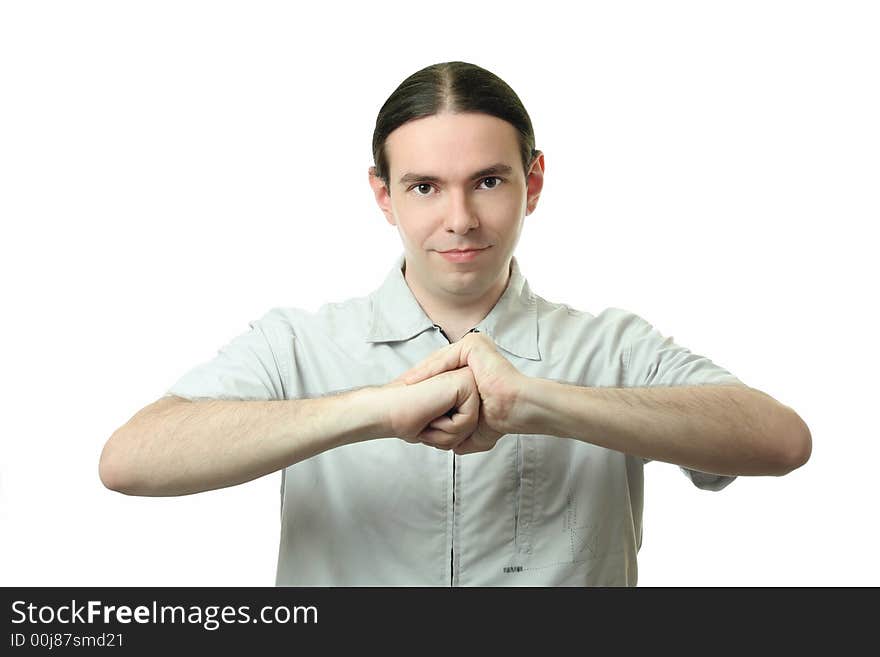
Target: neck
459	314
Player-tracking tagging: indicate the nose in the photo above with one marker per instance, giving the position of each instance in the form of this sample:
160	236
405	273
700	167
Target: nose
460	216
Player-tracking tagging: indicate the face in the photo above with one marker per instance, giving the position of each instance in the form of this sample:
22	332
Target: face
446	195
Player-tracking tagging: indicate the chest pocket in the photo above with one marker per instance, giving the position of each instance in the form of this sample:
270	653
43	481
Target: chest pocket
572	504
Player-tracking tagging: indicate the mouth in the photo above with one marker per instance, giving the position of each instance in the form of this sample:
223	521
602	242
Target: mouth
463	255
468	250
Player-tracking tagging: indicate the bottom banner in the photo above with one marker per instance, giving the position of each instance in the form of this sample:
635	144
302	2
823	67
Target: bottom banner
150	619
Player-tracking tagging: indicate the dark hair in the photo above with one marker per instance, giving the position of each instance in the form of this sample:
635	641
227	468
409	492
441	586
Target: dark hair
453	87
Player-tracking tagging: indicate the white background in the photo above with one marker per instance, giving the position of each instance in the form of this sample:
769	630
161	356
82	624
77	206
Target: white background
169	171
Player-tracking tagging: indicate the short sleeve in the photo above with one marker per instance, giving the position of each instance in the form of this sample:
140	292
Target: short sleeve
250	367
653	359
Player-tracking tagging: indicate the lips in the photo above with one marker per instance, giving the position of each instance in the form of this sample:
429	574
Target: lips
462	256
465	250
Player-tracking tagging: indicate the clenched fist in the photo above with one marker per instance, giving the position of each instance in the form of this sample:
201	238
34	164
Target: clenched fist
442	411
499	383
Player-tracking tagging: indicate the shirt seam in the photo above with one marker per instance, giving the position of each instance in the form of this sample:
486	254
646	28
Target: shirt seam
627	354
280	363
285	366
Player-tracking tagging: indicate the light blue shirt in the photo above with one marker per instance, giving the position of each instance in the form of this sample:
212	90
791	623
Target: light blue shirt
534	511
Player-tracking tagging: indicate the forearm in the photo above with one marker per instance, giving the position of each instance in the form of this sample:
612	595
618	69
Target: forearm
177	447
729	430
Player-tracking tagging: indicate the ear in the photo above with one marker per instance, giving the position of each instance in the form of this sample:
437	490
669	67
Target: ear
534	183
383	198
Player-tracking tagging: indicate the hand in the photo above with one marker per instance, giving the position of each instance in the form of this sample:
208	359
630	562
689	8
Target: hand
499	383
442	411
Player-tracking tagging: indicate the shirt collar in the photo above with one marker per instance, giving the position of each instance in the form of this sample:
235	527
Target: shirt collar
512	323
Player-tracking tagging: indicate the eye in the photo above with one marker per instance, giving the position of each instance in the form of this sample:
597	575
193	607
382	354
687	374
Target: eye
495	178
418	186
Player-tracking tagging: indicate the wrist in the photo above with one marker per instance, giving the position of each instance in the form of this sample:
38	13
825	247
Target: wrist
371	405
386	401
532	413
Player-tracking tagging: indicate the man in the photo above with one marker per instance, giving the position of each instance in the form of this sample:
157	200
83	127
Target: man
541	416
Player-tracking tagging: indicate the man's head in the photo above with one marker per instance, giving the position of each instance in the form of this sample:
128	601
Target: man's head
437	138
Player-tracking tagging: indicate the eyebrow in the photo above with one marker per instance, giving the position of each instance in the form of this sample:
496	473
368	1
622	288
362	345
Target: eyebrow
498	168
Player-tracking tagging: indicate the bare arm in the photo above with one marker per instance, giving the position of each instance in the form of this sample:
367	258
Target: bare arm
720	429
177	447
